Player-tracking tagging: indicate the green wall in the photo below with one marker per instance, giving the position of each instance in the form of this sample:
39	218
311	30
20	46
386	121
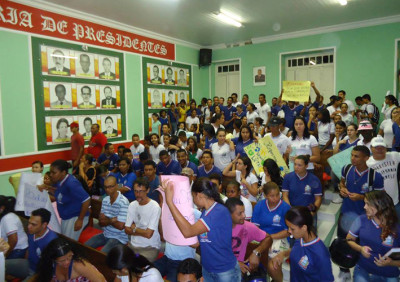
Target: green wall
364	60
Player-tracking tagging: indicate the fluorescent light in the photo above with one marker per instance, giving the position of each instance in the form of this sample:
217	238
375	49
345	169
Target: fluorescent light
228	19
343	2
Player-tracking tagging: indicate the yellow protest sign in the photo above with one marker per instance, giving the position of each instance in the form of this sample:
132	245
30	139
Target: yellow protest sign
265	149
296	91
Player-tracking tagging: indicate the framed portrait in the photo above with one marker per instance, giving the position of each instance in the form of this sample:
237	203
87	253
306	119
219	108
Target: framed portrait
155	98
183	95
86	96
155	73
171	97
85	63
56	61
57	95
85	125
259	76
109	97
58	130
107	68
111	125
182	77
170	76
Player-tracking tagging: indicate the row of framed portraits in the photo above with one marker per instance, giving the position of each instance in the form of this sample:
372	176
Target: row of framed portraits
58	127
80	96
163	98
71	63
167	75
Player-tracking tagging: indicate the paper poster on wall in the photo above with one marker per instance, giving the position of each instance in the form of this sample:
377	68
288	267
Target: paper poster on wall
111	125
259	76
170	76
85	64
85	125
298	91
109	96
171	98
183	77
57	61
155	74
86	96
57	95
57	129
156	98
108	68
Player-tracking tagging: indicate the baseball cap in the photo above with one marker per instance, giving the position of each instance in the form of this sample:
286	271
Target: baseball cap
74	124
378	141
365	125
274	121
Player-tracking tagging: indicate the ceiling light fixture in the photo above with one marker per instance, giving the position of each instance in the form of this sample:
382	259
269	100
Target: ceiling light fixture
229	19
343	2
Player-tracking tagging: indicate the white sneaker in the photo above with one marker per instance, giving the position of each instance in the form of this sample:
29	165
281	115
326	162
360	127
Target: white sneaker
344	276
338	200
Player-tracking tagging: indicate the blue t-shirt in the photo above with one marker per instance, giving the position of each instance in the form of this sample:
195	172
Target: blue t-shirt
171	116
204	173
242	114
275	110
153	193
310	262
357	182
163	120
270	220
137	166
396	133
228	112
290	114
216	244
312	125
37	245
173	168
347	145
70	196
127	181
191	165
302	191
239	146
369	234
198	112
209	142
113	160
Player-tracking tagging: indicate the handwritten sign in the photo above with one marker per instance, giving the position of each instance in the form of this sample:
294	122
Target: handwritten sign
339	160
184	202
265	149
296	91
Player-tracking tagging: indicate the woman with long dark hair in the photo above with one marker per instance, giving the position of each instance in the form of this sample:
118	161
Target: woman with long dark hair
377	232
245	138
129	266
325	130
214	230
390	104
87	171
60	262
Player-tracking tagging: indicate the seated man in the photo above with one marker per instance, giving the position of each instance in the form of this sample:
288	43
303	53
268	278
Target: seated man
167	166
190	270
153	179
233	191
208	165
244	232
142	222
183	160
38	238
112	218
109	158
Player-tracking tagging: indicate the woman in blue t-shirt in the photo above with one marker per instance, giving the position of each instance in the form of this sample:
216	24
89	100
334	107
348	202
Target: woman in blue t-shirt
245	138
378	232
309	258
214	231
349	141
125	178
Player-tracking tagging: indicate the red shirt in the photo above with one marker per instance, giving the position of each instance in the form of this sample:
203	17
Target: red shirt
76	143
96	144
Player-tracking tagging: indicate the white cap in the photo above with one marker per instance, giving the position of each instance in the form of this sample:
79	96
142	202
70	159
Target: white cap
378	141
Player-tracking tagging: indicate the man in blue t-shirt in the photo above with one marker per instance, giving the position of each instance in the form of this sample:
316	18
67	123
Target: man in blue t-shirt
153	178
38	238
183	160
167	166
109	158
208	167
230	114
290	110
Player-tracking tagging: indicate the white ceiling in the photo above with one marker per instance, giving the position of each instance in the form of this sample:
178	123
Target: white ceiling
192	20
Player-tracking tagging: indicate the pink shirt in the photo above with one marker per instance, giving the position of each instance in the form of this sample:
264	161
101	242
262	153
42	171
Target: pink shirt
242	235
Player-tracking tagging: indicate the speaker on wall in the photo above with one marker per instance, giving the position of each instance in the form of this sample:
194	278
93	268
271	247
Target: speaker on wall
205	57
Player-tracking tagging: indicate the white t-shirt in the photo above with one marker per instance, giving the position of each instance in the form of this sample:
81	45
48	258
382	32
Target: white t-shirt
369	108
304	147
251	179
190	121
282	142
222	155
263	112
248	207
235	133
388	169
11	224
347	118
144	216
151	275
155	152
388	112
136	151
251	116
350	105
207	115
388	135
324	132
361	142
332	109
285	131
334	143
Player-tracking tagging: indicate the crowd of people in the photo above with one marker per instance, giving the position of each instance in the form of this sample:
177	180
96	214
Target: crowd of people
233	205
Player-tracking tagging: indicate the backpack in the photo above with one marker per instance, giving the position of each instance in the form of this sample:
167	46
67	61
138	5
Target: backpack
371	176
375	116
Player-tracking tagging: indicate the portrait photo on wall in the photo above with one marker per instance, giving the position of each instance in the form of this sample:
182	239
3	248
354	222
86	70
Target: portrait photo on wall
155	73
170	76
85	125
109	125
183	95
182	77
155	98
108	96
107	67
259	76
171	98
58	61
85	63
86	96
59	131
60	94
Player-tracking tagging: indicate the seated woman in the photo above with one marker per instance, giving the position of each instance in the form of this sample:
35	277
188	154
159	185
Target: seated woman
125	178
269	215
377	232
272	173
129	266
12	230
60	262
88	172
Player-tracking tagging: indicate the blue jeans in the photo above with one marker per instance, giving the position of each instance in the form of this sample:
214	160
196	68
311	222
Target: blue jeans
100	240
167	267
232	275
361	275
